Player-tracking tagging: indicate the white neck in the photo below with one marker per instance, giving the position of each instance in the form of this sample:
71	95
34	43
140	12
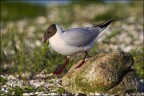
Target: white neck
59	29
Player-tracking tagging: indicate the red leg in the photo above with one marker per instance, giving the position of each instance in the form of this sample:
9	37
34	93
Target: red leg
83	61
61	69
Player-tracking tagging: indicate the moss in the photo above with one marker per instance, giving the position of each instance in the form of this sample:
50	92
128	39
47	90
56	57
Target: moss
87	87
60	90
40	89
139	61
115	90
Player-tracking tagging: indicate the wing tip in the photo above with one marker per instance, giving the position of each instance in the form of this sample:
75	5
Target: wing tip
105	24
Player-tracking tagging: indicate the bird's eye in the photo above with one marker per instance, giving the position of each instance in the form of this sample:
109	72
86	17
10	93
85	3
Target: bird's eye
50	31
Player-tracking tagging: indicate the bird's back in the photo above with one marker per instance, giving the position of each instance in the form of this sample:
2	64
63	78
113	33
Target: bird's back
80	37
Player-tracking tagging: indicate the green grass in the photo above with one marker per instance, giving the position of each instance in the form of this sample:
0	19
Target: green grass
113	13
139	61
18	91
3	80
33	64
11	10
85	3
28	60
60	90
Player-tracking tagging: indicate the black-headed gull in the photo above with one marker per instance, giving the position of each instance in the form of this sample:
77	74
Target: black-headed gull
73	41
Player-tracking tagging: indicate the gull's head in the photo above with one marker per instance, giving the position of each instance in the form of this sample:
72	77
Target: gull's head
51	30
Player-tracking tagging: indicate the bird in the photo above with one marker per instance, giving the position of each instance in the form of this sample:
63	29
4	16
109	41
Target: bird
73	41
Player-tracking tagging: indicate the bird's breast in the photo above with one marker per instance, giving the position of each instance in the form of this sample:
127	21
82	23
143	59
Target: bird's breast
60	46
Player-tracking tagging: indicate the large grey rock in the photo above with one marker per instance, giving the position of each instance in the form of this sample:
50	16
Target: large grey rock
104	73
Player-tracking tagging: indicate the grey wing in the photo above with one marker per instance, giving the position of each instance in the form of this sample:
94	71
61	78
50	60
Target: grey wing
81	36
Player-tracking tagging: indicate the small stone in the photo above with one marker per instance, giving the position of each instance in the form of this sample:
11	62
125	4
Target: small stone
26	94
31	29
52	94
11	77
39	93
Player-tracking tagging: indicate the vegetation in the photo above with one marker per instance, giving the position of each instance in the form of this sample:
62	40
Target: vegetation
23	25
18	10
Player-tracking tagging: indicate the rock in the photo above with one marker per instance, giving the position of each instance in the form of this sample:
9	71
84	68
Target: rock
126	85
108	73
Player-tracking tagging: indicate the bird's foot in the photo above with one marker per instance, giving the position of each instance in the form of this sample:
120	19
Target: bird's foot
80	64
57	72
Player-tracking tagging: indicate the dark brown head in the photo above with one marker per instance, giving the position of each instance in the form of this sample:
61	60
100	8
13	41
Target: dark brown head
50	32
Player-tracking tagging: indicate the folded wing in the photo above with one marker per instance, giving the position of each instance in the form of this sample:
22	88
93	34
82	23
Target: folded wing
83	36
80	37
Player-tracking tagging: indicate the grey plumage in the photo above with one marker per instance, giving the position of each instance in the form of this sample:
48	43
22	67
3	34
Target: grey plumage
83	36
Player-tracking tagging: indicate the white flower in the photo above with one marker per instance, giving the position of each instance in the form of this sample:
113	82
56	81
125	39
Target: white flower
38	43
22	23
31	29
128	48
10	24
41	20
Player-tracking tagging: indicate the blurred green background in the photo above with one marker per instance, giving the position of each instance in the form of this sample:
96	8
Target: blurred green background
23	25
